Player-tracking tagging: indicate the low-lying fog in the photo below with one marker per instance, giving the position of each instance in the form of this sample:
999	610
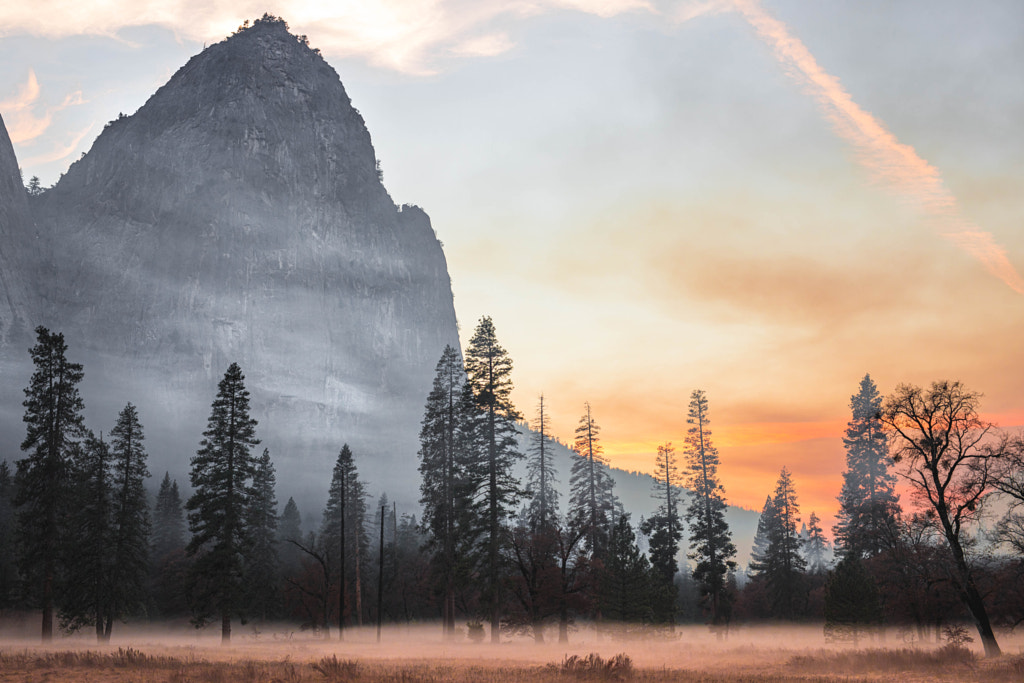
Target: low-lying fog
690	646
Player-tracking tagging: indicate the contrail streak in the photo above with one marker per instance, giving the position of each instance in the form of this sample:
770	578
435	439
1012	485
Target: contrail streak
878	150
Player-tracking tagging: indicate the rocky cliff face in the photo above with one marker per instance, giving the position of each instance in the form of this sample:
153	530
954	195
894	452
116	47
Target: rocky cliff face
14	233
239	216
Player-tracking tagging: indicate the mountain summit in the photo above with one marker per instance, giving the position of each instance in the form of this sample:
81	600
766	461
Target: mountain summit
239	216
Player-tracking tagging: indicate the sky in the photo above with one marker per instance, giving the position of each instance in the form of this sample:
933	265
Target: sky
764	200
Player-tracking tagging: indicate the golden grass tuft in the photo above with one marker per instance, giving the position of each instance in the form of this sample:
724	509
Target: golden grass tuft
884	660
337	670
593	666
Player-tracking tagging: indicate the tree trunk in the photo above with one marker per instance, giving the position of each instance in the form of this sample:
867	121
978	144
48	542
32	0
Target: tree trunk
359	583
977	606
380	576
225	627
968	591
47	635
495	529
451	613
563	623
341	582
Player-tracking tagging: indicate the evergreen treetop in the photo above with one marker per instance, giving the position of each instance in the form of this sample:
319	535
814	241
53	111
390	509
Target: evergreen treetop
869	505
262	563
592	500
711	545
784	565
168	521
221	471
53	417
542	511
131	523
87	585
491	450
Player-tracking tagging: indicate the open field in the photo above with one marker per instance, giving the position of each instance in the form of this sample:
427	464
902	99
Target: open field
408	655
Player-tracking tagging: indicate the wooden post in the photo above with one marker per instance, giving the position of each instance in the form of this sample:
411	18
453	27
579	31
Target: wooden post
380	574
341	584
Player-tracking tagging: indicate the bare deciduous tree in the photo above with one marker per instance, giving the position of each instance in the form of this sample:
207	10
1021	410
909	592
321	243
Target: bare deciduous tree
948	456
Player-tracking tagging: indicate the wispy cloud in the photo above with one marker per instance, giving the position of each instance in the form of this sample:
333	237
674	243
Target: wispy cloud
410	36
24	124
61	150
891	162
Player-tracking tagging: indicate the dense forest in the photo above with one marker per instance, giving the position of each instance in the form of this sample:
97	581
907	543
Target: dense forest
83	541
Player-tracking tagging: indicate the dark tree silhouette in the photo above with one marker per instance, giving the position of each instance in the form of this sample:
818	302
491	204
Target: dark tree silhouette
53	415
442	486
941	444
130	524
168	521
221	471
87	588
8	568
710	539
815	545
168	569
542	510
869	505
489	377
262	570
625	578
289	528
592	501
852	600
343	534
782	566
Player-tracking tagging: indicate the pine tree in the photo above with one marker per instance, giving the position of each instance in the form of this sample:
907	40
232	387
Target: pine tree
53	414
852	600
343	534
815	545
289	529
489	377
168	567
625	586
221	471
663	545
759	552
168	521
666	489
130	525
592	500
87	588
534	582
785	564
442	476
665	531
8	553
262	571
542	510
711	541
869	505
294	561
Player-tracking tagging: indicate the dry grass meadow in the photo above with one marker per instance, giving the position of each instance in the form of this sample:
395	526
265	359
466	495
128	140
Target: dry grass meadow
417	655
